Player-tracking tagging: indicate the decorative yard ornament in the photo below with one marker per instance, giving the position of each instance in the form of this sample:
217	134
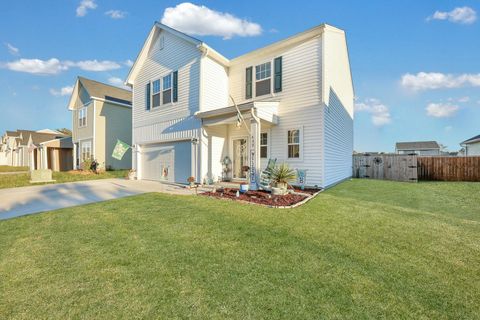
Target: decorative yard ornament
120	149
301	177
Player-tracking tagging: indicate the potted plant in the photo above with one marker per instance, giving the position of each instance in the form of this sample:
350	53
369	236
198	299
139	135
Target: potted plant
281	176
191	180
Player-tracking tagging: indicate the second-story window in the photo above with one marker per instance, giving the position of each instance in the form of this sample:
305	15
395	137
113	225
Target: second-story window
156	93
82	117
167	89
263	75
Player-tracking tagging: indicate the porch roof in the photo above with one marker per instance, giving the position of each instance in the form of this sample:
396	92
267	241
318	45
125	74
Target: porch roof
265	110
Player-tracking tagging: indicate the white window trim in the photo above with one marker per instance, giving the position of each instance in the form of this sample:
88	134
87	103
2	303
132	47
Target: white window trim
80	110
83	146
160	79
152	93
254	80
300	128
171	89
267	145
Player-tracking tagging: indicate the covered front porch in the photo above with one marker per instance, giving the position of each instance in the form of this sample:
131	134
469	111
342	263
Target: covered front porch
235	140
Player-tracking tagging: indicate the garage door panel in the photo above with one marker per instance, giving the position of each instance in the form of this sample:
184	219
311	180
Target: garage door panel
167	162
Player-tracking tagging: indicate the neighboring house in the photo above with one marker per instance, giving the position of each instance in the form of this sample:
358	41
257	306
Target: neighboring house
471	146
57	154
296	97
101	114
23	147
421	148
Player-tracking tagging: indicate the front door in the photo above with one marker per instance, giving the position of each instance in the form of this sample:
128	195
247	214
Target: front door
240	158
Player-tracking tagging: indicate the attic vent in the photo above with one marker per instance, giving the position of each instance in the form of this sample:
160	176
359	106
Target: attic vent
161	42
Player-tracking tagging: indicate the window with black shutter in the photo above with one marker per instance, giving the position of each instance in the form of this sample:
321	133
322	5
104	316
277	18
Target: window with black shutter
147	97
263	79
277	86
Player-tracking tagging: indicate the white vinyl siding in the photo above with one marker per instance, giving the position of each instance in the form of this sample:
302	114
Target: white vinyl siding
214	85
175	120
338	99
300	104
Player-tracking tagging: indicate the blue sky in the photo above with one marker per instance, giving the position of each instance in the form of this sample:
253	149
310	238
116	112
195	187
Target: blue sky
415	64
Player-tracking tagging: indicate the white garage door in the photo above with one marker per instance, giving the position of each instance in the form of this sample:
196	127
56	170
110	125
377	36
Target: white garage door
167	162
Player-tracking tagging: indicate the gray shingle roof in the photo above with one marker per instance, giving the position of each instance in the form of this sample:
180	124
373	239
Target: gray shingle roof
417	145
106	91
473	139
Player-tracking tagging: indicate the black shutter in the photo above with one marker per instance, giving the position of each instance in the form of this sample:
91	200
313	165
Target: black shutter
277	87
147	97
248	83
175	86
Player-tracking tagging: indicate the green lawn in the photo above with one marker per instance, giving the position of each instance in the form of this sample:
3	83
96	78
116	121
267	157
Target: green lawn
363	249
12	169
23	179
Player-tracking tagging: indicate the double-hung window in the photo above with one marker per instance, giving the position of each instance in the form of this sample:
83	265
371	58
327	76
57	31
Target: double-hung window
263	79
263	145
82	117
86	153
167	89
293	143
156	93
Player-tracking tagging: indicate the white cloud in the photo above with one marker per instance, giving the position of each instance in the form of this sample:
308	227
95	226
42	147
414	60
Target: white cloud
119	82
128	63
436	80
36	66
202	21
65	91
380	113
441	110
448	128
84	6
55	66
116	14
12	50
95	65
463	99
463	15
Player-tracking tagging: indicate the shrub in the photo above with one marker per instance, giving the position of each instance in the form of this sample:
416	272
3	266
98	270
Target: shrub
283	174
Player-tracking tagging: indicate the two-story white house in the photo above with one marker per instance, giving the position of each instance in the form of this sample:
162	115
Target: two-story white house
295	97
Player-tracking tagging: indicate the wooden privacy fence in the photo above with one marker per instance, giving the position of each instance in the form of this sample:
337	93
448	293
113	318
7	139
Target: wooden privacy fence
413	168
397	167
449	168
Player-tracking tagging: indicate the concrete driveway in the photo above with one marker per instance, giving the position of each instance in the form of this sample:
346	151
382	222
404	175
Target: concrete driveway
16	202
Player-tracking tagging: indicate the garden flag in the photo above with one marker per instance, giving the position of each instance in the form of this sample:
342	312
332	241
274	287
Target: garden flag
120	150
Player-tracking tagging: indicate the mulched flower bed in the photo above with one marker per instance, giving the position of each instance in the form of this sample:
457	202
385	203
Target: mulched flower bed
306	190
259	197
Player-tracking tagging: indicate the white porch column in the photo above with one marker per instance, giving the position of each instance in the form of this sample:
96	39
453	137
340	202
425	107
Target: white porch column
254	152
44	157
74	155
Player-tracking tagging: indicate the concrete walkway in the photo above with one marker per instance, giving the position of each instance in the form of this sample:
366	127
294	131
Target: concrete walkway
16	202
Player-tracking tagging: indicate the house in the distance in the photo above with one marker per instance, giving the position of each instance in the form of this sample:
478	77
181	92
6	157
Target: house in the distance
36	149
295	97
421	148
101	114
471	146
